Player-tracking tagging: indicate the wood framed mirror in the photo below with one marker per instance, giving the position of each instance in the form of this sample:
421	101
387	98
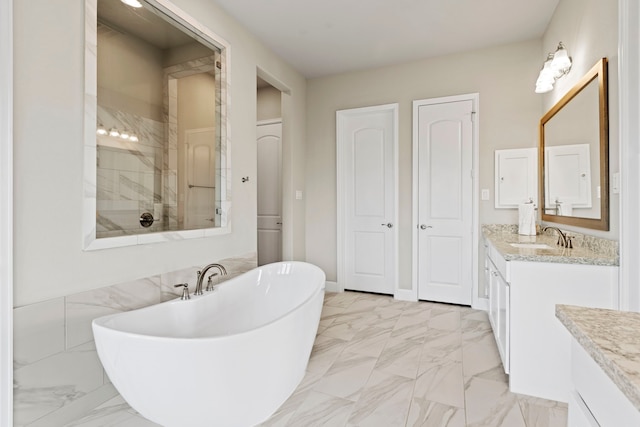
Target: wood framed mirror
574	155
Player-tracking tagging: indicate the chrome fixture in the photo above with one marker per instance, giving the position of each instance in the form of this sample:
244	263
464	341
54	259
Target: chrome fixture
563	240
202	273
185	290
557	65
209	287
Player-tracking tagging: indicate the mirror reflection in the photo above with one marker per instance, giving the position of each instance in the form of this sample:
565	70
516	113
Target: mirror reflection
158	124
574	150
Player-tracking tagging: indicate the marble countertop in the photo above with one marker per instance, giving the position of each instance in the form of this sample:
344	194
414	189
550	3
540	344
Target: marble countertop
502	240
612	339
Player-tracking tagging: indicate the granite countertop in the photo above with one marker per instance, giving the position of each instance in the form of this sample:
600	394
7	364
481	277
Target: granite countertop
612	339
502	238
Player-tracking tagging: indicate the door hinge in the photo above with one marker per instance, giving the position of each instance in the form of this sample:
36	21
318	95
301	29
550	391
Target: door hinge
219	65
473	116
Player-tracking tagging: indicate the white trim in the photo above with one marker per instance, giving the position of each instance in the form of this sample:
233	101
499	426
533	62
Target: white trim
340	190
268	122
475	100
481	304
332	287
629	107
6	213
405	295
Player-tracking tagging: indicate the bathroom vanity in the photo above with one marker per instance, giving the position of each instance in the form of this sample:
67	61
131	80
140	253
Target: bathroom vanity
526	277
605	363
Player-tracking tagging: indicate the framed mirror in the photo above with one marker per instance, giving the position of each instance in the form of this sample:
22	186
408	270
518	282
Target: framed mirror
155	125
574	155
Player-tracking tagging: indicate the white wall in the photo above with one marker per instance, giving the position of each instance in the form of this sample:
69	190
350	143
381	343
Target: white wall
48	120
504	77
589	30
269	103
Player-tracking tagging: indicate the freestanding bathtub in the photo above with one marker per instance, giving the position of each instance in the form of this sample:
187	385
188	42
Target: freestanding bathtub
228	358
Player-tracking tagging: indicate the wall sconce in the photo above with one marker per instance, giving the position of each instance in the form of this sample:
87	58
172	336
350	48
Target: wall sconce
557	65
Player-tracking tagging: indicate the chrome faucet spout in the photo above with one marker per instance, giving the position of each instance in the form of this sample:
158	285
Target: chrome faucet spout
562	238
201	274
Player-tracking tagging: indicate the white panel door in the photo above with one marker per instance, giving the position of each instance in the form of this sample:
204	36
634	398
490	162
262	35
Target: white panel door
269	139
199	210
445	205
367	141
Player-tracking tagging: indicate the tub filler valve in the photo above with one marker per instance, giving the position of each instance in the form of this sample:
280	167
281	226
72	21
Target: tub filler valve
185	290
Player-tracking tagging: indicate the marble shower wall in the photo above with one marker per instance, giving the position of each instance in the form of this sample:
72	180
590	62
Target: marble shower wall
57	374
129	174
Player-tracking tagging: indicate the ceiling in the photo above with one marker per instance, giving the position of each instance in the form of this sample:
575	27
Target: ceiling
325	37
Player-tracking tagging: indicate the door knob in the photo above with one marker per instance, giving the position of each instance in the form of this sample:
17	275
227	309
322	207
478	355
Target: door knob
424	227
388	225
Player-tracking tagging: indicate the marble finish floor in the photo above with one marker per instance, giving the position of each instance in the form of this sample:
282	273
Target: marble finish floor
382	363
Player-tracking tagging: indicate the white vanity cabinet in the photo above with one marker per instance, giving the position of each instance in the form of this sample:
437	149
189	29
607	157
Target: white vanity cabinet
498	307
595	400
534	346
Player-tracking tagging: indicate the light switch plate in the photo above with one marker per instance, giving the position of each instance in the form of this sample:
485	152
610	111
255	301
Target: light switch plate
616	183
484	195
298	194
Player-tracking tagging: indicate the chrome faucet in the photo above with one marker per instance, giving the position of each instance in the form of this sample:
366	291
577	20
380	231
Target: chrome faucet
202	273
562	238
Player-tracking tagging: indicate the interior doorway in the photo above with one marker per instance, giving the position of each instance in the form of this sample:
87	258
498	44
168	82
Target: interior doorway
269	173
445	212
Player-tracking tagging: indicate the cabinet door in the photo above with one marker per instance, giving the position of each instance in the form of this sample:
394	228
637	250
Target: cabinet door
499	311
503	327
516	177
568	172
579	414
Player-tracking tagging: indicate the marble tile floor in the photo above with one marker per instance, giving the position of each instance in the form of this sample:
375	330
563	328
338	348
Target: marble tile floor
380	362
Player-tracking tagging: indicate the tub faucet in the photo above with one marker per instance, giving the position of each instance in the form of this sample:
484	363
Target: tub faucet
562	238
202	273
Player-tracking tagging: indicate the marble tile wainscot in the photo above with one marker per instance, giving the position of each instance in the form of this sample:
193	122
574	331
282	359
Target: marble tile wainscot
605	360
58	377
525	284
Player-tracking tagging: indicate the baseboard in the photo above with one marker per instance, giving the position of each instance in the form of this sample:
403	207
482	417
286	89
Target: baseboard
331	286
405	295
481	304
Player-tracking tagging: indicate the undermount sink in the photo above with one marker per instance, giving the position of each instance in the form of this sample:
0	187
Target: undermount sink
531	245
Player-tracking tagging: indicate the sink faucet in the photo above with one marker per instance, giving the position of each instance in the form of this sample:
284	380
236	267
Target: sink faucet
202	273
562	238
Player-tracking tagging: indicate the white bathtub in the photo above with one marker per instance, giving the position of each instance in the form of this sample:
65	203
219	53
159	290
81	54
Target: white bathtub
228	358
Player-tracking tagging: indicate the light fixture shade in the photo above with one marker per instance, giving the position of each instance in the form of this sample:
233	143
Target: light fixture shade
101	130
546	76
114	132
544	87
132	3
124	134
561	62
